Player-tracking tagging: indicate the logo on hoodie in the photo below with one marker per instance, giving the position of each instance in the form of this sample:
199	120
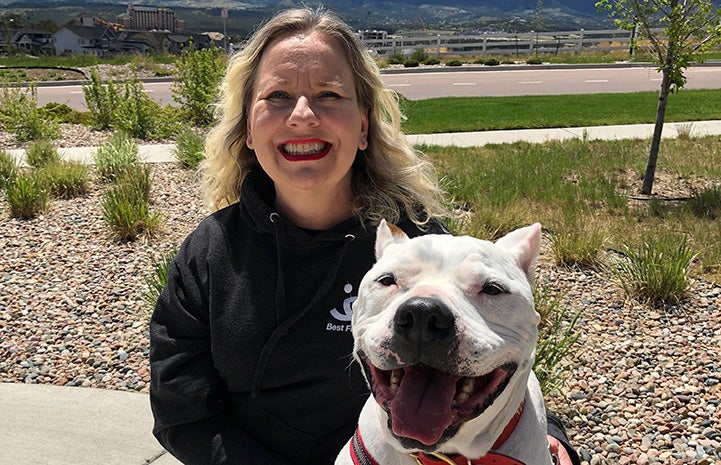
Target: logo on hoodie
342	319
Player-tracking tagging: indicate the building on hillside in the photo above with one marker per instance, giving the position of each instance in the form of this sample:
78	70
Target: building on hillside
94	40
32	41
144	18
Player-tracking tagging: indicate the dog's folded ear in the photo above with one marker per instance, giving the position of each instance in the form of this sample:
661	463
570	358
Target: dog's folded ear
524	244
387	234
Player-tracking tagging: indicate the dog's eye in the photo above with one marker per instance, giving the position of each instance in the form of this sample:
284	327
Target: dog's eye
387	280
492	288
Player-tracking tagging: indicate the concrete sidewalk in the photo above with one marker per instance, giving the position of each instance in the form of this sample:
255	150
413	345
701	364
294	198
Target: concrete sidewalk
161	153
52	425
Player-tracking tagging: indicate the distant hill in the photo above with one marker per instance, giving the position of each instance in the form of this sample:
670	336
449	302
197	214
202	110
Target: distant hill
391	15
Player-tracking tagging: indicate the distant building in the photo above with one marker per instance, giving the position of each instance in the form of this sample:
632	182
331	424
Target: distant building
33	41
93	40
148	18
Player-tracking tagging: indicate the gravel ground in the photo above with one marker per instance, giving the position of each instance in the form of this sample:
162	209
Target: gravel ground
645	387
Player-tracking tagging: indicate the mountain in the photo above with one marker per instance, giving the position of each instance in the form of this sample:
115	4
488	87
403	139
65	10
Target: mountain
391	15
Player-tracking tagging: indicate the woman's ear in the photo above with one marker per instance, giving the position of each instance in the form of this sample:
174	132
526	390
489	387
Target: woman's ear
248	136
365	118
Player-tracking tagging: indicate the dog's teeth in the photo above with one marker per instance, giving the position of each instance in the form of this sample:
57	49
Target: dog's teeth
395	380
465	392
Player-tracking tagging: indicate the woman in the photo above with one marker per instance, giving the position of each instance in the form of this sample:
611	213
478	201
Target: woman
250	349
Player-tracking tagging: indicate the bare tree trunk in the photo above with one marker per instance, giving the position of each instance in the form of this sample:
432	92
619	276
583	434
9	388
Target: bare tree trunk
650	173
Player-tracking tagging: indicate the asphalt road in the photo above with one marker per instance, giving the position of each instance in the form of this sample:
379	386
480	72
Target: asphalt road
486	83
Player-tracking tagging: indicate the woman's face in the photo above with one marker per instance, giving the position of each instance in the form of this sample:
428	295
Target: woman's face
305	124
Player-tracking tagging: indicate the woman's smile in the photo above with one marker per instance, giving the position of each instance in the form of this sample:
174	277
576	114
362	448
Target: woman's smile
305	150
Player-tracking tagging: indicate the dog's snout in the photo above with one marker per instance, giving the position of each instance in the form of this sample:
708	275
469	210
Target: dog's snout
423	319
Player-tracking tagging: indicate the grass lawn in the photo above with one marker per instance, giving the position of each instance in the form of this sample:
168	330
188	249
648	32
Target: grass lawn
459	114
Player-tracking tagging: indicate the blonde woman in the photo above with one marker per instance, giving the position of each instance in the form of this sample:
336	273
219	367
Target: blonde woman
250	340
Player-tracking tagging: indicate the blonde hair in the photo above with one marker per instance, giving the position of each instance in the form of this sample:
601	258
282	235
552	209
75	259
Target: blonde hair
389	178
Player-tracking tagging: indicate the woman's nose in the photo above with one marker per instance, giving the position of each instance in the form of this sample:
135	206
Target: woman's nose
303	112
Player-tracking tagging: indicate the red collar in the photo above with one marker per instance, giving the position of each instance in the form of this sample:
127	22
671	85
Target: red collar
360	455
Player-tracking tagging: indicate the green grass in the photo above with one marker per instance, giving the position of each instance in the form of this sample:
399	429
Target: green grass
458	114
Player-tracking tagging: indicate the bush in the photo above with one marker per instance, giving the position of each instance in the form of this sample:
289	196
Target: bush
419	55
115	156
26	196
577	246
66	179
197	84
126	206
657	272
454	63
410	63
20	115
8	169
706	203
41	153
491	62
189	149
534	61
431	61
101	100
395	58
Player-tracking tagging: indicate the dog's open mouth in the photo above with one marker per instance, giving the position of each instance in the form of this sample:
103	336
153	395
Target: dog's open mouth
424	402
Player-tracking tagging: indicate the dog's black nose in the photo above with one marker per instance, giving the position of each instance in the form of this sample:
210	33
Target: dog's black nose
424	319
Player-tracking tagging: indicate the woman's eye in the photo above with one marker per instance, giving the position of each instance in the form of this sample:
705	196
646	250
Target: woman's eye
277	95
387	280
329	95
493	289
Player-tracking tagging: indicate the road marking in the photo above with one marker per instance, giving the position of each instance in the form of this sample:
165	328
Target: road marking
464	83
399	85
592	81
531	82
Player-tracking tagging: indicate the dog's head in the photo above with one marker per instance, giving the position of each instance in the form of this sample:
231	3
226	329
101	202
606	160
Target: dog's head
445	329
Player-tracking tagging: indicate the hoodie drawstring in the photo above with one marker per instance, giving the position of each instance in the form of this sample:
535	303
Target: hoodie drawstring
284	326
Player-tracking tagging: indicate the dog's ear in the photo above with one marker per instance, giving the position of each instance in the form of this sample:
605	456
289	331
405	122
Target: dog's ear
524	244
388	233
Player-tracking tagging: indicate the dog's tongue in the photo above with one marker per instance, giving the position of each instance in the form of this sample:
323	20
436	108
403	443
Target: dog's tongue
421	409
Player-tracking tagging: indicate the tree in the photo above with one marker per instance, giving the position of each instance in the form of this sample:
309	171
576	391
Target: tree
676	33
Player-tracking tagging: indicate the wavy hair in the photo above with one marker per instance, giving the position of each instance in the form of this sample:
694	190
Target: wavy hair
390	178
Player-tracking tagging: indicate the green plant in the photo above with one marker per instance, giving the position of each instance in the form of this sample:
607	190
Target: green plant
20	115
41	153
491	62
395	58
454	63
115	156
577	246
101	100
126	206
534	61
26	196
8	169
158	278
706	203
65	179
656	272
431	61
557	340
138	114
197	83
410	63
420	55
189	149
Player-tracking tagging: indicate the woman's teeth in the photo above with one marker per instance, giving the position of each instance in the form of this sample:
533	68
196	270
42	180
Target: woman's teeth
303	149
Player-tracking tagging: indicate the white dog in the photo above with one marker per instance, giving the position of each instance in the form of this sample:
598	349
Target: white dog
445	329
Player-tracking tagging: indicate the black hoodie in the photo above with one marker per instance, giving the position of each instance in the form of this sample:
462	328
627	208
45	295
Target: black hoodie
250	340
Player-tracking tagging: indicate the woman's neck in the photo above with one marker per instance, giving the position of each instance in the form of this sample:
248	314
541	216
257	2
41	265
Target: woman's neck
311	210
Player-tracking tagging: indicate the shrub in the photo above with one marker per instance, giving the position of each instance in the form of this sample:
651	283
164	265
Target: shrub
491	62
454	63
197	83
534	61
101	100
20	115
395	58
26	196
41	153
657	272
138	114
8	169
115	156
431	61
126	206
706	203
66	179
420	55
189	149
410	63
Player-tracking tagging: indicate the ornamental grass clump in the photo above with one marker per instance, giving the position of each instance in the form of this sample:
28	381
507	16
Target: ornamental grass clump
126	205
41	153
26	196
189	149
657	272
65	179
115	156
8	169
157	280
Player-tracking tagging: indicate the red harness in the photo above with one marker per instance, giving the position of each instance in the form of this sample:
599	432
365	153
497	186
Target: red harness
360	454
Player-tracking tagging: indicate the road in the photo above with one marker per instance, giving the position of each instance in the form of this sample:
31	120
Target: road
487	83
